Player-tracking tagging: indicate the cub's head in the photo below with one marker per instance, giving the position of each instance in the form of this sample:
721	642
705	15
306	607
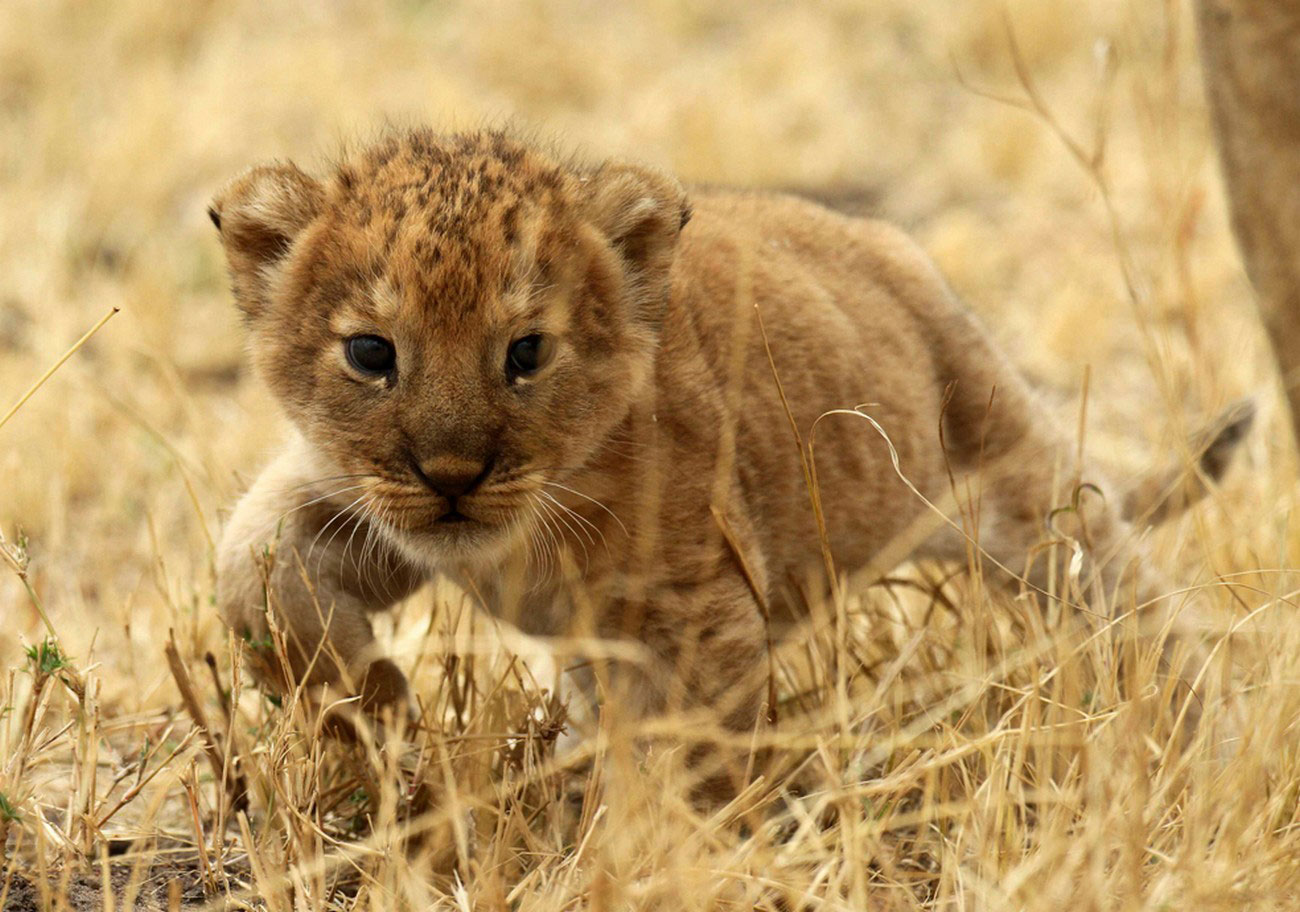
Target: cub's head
452	322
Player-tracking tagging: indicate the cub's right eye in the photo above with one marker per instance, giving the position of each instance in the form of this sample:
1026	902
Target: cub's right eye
371	355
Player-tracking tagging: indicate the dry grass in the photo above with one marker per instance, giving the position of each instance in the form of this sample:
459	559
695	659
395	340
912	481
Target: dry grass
953	751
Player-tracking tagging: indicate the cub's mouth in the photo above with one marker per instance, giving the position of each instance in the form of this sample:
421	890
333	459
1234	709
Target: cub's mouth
441	535
475	527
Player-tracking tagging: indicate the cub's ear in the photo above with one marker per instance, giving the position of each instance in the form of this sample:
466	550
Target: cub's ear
259	214
641	212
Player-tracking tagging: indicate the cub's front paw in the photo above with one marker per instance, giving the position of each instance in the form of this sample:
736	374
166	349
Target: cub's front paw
384	698
383	687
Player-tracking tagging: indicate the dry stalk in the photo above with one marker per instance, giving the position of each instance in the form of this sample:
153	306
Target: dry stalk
233	788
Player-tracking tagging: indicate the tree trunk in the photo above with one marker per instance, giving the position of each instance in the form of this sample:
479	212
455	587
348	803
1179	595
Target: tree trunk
1250	51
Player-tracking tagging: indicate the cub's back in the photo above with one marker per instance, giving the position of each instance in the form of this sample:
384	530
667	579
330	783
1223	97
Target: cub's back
855	315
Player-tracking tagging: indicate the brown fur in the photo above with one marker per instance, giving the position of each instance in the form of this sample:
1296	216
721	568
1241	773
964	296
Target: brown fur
645	485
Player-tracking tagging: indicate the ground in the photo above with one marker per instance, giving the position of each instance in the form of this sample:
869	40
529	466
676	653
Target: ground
937	746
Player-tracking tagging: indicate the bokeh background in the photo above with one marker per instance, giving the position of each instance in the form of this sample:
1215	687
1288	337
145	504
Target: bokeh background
119	120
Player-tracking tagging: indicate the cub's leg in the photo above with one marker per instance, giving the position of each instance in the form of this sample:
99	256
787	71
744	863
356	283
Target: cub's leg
706	662
297	544
1027	490
1117	582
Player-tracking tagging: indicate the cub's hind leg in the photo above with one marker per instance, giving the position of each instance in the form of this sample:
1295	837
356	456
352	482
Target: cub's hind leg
321	570
1033	518
1069	546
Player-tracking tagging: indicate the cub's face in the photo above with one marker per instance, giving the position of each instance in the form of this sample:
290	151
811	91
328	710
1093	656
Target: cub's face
456	324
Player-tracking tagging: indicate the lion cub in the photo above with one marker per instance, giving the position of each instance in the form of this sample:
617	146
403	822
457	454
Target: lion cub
575	390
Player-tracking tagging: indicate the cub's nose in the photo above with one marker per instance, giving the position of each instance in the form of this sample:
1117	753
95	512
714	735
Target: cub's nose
452	477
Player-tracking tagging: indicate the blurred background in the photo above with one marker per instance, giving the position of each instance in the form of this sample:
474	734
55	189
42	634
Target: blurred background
119	120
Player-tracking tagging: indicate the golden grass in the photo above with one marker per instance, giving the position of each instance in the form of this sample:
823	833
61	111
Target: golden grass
951	750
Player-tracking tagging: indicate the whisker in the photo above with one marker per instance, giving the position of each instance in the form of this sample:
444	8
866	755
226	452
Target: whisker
537	546
583	522
383	529
356	518
582	519
347	545
370	550
565	511
613	516
289	489
263	530
371	553
552	545
532	558
337	516
560	518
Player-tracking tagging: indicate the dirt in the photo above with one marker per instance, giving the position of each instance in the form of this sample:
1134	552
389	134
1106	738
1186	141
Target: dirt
83	890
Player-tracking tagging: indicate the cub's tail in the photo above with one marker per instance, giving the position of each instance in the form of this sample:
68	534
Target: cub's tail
1167	492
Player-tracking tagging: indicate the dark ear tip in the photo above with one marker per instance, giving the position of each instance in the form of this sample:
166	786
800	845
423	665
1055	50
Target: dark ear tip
215	216
686	215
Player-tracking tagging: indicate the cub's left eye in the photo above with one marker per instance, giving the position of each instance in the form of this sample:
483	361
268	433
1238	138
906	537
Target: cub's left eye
529	355
371	355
